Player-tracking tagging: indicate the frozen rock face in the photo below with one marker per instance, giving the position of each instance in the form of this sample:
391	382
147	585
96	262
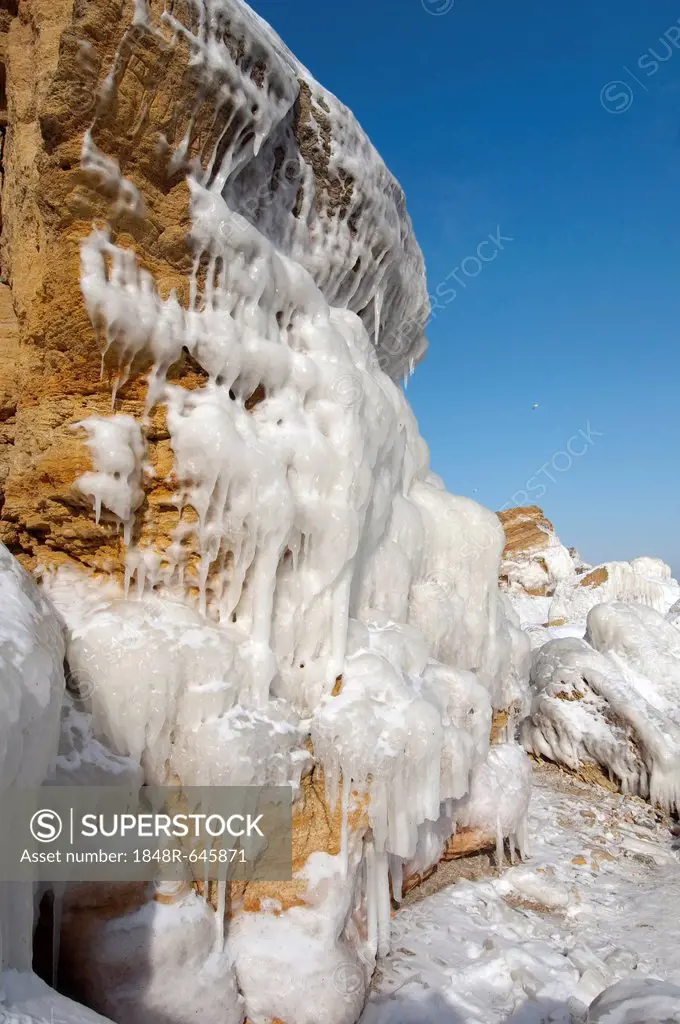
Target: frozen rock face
612	701
534	559
213	158
223	484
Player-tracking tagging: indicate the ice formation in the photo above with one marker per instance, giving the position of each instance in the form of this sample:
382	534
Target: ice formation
498	800
31	692
32	683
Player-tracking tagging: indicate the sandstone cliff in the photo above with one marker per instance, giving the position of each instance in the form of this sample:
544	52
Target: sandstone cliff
204	454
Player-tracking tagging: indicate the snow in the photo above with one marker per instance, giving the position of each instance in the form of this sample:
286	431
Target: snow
547	937
28	1000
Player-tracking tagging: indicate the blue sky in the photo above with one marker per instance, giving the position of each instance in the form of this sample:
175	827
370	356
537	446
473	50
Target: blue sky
496	115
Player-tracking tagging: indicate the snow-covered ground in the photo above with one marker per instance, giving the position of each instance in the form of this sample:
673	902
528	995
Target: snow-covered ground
595	902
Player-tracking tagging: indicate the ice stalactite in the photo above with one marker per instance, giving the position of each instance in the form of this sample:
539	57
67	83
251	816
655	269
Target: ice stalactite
115	483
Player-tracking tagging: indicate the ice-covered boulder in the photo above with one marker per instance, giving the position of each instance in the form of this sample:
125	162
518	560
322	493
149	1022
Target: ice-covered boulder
612	700
496	806
637	1001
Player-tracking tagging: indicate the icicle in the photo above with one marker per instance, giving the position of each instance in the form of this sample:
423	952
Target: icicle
344	843
397	877
522	839
499	843
383	903
220	912
372	924
377	311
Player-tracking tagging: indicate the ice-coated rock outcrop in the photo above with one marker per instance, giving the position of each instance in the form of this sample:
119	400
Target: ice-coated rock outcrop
551	585
224	489
534	559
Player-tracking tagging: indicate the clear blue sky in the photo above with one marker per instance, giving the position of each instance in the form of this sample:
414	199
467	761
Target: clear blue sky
490	115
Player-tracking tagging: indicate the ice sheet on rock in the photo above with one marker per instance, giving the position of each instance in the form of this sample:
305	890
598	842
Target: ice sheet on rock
84	761
455	600
106	173
31	690
180	696
590	707
379	729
